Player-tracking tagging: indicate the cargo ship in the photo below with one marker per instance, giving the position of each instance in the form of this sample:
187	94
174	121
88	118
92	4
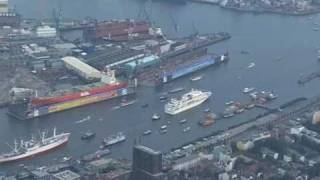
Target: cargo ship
34	106
33	147
192	66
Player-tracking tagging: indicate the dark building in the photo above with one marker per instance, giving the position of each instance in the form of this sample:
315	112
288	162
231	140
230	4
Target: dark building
147	164
10	19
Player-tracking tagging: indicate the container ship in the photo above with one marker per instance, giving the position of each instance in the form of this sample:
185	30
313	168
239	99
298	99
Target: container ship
33	147
34	106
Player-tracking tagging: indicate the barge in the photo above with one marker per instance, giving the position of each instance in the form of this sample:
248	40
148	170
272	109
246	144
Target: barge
33	106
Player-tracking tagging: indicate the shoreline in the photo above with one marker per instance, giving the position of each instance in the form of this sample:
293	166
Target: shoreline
262	11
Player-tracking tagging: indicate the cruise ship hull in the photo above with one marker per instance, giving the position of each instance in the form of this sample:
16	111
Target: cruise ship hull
38	151
189	106
28	112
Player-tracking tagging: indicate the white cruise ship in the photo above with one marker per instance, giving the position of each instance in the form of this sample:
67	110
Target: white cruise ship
187	101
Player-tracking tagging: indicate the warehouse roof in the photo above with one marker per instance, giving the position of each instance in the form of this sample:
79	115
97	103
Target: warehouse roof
80	65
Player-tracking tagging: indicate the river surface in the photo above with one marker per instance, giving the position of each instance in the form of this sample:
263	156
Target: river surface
266	36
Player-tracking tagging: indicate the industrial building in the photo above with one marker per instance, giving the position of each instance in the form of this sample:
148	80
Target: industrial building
46	32
82	69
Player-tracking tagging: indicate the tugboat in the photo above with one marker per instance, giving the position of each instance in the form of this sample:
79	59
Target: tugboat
209	120
88	135
155	117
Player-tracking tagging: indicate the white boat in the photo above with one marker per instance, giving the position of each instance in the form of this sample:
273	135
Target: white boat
251	65
163	127
155	117
113	139
186	102
196	78
124	104
229	103
186	129
163	131
33	147
88	118
248	90
147	132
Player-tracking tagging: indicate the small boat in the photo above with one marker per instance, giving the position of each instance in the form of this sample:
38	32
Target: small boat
88	135
251	65
196	78
144	105
207	110
244	52
182	121
147	132
163	131
115	107
163	98
228	114
248	90
163	127
155	117
124	104
209	120
240	110
186	129
229	103
176	90
66	158
250	106
83	120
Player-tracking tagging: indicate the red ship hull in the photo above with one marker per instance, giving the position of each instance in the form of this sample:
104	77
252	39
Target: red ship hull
36	102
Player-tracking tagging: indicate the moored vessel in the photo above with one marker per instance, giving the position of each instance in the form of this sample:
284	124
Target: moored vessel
33	147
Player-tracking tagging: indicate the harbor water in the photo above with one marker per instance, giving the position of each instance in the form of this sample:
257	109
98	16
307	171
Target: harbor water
282	47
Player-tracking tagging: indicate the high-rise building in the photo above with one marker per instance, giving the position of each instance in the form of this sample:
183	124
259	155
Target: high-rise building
147	164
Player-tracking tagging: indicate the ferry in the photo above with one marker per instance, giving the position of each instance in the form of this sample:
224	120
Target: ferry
186	102
113	139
